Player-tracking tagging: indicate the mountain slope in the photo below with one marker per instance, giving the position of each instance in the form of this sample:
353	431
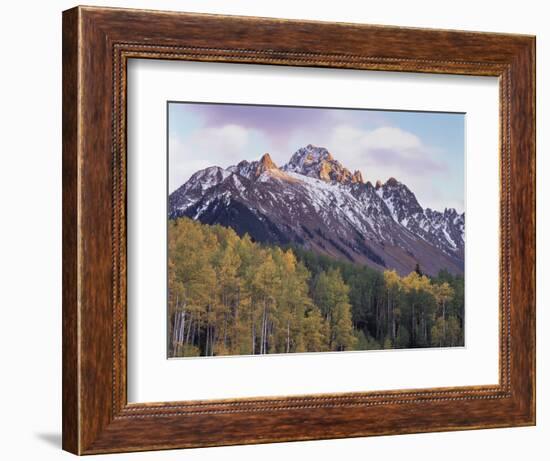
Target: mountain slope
315	202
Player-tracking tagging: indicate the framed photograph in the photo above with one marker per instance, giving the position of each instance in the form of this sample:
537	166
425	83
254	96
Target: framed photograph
282	230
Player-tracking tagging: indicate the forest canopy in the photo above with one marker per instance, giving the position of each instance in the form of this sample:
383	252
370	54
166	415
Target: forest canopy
231	296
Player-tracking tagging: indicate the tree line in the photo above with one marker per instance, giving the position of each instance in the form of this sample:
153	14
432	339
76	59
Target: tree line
231	296
389	311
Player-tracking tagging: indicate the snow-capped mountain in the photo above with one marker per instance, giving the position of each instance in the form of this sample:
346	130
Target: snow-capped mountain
315	202
443	230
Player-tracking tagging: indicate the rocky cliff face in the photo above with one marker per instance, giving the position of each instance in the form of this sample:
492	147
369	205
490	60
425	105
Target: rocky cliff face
317	162
315	202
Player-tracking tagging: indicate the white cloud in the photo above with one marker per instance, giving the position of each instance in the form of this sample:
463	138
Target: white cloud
206	147
382	150
388	137
392	152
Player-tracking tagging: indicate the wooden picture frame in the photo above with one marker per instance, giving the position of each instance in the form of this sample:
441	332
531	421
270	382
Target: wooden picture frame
97	43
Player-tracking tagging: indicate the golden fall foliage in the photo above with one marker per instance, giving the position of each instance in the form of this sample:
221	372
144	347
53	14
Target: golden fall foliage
231	296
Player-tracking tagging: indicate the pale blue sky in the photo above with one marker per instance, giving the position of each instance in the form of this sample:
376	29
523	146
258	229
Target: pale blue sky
424	150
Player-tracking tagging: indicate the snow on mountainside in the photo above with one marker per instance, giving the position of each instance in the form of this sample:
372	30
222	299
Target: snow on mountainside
315	202
443	230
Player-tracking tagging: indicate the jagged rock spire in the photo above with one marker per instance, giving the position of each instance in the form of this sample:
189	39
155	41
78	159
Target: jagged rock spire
267	162
357	177
318	162
392	182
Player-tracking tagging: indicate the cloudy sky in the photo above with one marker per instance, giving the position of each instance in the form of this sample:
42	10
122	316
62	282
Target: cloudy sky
424	150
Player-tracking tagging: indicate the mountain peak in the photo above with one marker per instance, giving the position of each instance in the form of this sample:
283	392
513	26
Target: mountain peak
357	177
400	200
267	163
318	162
392	182
317	152
254	169
264	164
308	155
